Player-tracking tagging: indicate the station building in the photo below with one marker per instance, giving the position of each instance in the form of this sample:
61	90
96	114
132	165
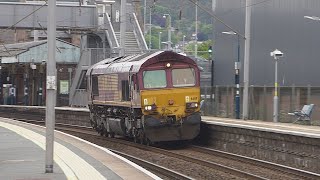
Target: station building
275	24
23	71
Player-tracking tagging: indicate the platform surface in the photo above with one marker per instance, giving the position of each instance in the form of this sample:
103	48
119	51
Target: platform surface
22	156
282	128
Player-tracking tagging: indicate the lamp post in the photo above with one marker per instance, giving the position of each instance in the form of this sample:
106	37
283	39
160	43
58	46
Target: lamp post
169	30
1	84
196	31
160	40
150	27
276	54
237	75
246	61
183	38
144	17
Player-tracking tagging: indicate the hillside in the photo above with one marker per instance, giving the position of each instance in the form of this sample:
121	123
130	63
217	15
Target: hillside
183	20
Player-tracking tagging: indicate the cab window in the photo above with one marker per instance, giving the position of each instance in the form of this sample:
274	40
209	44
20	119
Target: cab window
154	79
183	77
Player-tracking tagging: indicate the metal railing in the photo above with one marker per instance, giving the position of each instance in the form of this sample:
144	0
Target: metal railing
111	36
219	101
138	33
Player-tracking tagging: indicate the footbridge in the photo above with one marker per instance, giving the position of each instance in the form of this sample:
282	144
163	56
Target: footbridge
33	15
98	24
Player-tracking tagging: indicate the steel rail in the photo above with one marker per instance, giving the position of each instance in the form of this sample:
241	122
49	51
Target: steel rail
265	164
153	167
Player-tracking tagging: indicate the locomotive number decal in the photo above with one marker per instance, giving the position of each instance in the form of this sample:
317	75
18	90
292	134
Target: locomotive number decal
194	98
191	98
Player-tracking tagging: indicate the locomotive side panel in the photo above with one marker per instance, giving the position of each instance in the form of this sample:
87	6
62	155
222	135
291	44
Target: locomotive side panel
111	89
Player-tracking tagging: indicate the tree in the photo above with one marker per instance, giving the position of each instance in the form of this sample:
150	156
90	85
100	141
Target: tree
203	48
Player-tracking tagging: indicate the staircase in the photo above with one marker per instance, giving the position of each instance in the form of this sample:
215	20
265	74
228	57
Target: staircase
131	43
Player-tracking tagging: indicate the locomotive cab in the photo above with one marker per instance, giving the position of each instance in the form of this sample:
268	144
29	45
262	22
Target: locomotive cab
170	100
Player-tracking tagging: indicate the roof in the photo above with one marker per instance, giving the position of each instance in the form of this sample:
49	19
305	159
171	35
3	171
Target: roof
121	64
10	50
131	63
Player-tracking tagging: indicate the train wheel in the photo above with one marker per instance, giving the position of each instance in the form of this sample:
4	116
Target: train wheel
101	132
111	134
147	141
141	137
106	134
135	139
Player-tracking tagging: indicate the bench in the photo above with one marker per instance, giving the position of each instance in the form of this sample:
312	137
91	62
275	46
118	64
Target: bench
304	114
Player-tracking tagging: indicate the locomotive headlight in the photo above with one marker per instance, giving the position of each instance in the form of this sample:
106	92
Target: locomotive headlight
150	108
147	108
192	105
168	65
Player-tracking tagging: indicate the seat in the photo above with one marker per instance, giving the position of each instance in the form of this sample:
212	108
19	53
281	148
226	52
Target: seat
304	114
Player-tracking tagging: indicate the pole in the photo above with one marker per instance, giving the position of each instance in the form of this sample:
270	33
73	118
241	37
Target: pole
276	98
1	85
150	28
169	32
246	64
237	81
40	90
196	29
160	40
51	86
183	37
144	16
26	103
123	27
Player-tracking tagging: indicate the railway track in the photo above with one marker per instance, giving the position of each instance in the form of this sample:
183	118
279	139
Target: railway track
162	170
188	154
88	131
290	172
256	162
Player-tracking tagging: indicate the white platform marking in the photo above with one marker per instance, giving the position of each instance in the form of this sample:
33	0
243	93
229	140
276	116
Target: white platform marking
64	157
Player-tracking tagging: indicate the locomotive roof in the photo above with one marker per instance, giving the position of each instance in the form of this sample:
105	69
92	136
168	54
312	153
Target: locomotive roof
133	62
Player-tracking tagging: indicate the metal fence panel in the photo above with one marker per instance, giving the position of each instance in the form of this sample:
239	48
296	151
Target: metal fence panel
219	101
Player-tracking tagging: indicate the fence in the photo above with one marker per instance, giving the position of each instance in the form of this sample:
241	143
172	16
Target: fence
219	101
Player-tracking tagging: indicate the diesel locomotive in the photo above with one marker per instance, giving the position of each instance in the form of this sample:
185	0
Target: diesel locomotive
150	97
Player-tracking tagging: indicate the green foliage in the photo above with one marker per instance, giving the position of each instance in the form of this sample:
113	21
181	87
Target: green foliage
154	41
202	51
182	14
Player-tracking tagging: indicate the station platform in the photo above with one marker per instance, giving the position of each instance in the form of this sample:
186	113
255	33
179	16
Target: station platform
280	128
22	156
